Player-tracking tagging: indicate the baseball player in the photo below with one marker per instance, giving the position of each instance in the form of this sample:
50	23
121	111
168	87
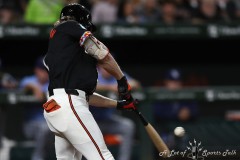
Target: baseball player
71	60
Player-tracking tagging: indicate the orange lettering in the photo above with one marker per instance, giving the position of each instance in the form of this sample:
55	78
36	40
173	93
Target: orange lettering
53	31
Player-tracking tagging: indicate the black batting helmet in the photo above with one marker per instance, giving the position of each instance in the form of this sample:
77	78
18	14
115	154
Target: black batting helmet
80	14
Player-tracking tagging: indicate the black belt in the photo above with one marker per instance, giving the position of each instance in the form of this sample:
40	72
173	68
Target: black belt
68	91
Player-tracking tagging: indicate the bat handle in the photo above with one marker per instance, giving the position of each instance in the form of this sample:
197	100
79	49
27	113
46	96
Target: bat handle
142	118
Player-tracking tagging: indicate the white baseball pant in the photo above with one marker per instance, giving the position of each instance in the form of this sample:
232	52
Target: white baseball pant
76	131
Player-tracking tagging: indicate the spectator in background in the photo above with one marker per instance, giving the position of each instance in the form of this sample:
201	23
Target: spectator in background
7	15
35	126
7	82
193	6
174	111
149	13
237	4
109	121
208	12
105	11
168	12
228	9
11	11
184	9
127	12
43	11
37	83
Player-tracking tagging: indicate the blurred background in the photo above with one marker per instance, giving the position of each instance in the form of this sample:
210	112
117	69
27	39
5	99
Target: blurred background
181	57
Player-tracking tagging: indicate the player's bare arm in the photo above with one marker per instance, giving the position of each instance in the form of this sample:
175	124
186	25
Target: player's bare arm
99	51
111	66
98	100
110	87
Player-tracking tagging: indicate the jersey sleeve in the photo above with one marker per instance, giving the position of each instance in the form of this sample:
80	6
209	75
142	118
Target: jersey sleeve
75	29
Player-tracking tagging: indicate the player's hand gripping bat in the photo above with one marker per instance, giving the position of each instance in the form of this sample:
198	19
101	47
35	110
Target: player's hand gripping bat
130	104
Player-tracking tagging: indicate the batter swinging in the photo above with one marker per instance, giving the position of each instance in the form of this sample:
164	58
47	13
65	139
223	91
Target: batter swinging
71	61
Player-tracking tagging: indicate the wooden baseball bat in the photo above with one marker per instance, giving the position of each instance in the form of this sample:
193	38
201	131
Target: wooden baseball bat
154	136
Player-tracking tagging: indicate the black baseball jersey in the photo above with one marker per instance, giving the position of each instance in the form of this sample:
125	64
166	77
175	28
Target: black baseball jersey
68	65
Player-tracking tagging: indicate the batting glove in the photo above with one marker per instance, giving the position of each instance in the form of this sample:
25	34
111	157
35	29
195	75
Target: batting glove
124	89
127	105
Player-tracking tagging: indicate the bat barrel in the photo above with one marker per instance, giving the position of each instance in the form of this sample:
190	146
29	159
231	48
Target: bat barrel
157	140
154	136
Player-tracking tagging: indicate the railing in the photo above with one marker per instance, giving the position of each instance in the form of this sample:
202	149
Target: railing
119	31
208	94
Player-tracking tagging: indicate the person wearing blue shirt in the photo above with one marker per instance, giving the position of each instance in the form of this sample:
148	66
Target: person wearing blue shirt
111	122
175	110
35	126
178	111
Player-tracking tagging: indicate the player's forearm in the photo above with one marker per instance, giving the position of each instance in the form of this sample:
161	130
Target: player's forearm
111	66
98	100
107	87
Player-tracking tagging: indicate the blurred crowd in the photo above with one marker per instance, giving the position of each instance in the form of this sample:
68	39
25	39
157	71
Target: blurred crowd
34	126
124	11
